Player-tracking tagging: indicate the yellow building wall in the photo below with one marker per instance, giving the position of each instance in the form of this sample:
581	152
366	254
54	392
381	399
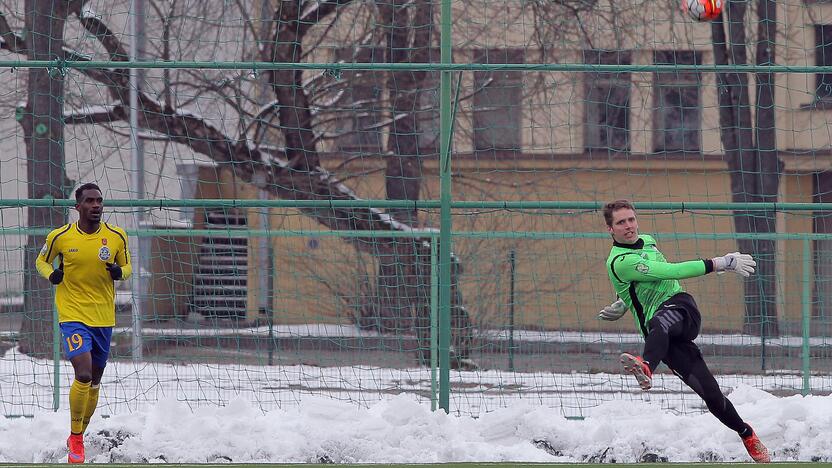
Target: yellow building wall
559	283
173	259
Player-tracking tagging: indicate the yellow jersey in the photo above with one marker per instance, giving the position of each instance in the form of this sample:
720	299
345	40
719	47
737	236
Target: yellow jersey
87	292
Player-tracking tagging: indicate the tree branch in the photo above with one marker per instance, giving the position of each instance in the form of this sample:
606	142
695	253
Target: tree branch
11	41
314	14
105	36
95	115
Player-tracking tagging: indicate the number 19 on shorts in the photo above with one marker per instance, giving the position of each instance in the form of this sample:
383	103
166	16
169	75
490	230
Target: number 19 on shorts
74	342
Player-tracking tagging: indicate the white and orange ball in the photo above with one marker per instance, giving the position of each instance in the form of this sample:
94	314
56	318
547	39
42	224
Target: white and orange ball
702	10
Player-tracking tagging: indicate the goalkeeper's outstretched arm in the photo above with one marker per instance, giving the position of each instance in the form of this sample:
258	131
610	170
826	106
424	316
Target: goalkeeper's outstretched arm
633	268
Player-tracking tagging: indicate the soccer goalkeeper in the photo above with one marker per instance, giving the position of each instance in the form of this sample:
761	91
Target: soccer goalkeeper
666	315
93	255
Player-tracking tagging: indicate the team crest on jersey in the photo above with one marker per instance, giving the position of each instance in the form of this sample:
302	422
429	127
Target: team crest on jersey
104	253
642	268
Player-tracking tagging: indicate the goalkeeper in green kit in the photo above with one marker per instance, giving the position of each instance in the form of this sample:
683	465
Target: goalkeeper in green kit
667	317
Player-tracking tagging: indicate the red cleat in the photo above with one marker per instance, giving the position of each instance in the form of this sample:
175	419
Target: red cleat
639	368
756	449
75	444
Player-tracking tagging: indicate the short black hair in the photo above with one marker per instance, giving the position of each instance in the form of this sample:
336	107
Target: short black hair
79	192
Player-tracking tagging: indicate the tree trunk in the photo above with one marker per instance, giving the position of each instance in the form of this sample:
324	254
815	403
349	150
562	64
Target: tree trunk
287	85
398	278
754	169
403	281
42	123
762	288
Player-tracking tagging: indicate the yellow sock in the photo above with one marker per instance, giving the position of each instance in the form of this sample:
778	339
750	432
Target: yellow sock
78	396
92	404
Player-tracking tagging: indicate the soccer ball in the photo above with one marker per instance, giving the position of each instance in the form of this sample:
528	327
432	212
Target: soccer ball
702	10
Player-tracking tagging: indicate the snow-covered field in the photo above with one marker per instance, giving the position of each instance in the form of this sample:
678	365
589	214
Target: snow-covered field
210	413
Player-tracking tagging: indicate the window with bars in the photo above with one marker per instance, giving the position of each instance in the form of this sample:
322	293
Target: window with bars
360	110
607	112
677	106
823	57
497	102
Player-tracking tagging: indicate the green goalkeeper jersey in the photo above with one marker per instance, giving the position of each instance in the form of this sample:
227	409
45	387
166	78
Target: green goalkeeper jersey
643	278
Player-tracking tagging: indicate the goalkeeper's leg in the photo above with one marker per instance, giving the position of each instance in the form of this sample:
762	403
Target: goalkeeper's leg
667	325
678	319
685	359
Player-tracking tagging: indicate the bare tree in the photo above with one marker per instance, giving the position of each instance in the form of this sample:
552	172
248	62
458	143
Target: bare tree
43	132
292	172
276	140
751	149
407	30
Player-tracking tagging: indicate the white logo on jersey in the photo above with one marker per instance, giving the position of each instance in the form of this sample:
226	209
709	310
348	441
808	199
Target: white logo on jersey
43	250
104	253
642	268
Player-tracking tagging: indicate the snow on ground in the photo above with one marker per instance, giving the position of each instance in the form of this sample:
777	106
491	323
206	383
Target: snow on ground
216	413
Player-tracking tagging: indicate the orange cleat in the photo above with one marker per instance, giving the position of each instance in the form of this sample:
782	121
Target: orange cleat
756	449
639	368
75	444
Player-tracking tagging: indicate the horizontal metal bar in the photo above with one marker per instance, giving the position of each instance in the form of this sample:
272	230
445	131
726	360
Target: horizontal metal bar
542	67
522	235
419	204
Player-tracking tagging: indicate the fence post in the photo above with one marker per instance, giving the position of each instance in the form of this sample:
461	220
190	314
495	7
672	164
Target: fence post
805	305
434	323
445	209
511	260
56	359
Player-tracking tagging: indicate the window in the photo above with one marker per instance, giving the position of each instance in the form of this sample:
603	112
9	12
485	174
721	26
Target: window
607	103
427	112
497	102
677	113
427	116
822	224
360	110
823	57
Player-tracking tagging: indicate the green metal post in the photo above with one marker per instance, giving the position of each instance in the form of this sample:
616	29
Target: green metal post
56	360
805	304
445	209
434	323
511	261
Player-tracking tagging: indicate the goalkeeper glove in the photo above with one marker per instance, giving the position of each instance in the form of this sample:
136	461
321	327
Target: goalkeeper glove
740	263
613	311
115	270
56	276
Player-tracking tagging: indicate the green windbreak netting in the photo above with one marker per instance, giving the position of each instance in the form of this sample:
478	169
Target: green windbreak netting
280	170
